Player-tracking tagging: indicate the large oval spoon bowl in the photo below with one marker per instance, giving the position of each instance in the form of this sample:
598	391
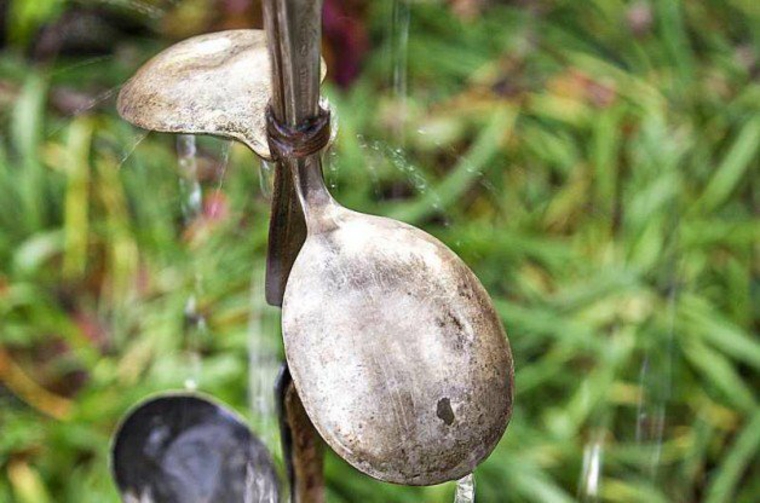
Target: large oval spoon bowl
182	448
395	347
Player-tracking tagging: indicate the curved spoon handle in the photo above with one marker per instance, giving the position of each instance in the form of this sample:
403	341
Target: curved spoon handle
287	233
302	447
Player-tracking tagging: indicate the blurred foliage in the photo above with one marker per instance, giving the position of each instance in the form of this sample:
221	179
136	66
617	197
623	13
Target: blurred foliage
596	163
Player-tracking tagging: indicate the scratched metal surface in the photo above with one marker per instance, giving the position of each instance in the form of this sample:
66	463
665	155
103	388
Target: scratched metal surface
395	348
217	84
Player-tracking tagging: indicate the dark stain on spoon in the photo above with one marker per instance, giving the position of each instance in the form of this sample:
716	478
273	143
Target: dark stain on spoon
444	411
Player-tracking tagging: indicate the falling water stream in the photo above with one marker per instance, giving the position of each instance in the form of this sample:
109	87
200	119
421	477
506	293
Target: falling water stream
264	359
591	471
399	64
191	197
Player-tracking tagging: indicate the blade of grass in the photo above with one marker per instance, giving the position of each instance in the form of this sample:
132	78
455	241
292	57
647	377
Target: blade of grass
723	484
741	157
76	222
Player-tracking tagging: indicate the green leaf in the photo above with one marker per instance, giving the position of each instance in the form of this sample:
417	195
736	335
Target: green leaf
743	452
741	157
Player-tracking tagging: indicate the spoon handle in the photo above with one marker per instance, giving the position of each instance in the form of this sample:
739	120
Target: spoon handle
302	447
287	233
294	31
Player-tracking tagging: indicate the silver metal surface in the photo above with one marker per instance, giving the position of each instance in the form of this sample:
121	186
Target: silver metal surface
395	347
393	344
293	30
217	84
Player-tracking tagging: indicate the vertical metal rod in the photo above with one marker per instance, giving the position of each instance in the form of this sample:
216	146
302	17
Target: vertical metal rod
294	31
287	228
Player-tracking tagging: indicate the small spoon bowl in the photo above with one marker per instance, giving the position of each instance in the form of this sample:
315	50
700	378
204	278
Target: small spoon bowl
216	84
184	448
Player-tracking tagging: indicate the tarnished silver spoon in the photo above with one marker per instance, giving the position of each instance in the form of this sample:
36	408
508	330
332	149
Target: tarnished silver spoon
394	346
182	448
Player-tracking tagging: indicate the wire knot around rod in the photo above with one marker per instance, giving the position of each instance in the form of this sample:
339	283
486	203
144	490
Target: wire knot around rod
305	139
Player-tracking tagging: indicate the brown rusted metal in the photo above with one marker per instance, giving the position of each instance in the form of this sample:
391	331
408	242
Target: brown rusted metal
287	232
308	452
300	439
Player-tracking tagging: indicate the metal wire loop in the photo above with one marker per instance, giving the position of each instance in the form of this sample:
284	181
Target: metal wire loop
305	139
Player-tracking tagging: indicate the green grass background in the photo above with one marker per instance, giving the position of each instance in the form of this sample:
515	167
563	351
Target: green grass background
599	174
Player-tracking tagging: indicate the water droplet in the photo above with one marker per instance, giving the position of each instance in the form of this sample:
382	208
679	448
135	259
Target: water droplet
266	178
589	486
191	194
465	492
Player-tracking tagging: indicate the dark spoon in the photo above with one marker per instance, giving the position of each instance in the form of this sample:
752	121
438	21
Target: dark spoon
184	448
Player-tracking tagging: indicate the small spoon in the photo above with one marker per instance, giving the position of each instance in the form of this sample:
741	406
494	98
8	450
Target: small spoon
182	448
393	344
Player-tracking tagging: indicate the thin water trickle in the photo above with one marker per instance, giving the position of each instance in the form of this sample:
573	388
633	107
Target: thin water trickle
86	107
399	64
263	364
465	492
655	384
266	178
591	473
145	497
82	64
222	170
194	330
191	201
258	486
191	194
127	153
